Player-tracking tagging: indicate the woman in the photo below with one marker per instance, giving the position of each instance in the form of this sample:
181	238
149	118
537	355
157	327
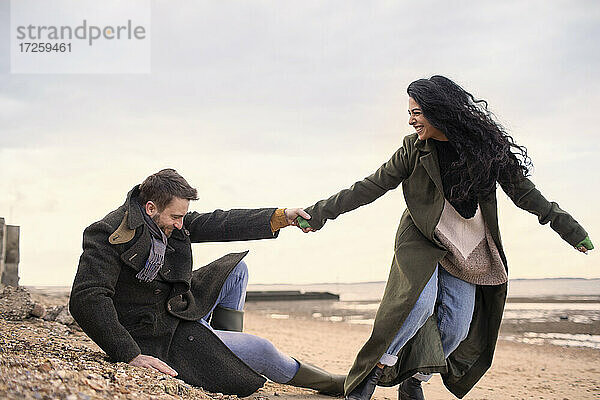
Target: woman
448	247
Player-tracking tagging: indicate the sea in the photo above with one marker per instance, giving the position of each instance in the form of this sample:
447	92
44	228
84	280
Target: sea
562	311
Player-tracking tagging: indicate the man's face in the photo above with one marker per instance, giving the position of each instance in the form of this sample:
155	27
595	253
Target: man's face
171	217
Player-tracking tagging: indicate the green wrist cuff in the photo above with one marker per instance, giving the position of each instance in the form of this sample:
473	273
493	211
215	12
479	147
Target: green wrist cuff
587	243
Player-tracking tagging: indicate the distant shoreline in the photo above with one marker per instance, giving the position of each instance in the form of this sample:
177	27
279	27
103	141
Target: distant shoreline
342	283
556	299
541	298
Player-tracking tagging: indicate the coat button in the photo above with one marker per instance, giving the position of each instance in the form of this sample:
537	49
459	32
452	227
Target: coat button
191	338
157	291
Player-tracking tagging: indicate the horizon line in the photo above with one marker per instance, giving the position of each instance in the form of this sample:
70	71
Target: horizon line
347	283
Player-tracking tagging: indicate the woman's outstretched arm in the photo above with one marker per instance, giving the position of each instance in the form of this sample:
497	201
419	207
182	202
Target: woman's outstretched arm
387	177
527	197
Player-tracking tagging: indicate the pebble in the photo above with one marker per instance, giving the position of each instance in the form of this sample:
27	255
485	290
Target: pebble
15	303
38	310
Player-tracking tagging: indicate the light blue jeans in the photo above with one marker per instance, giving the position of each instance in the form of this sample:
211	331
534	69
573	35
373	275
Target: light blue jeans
455	302
258	353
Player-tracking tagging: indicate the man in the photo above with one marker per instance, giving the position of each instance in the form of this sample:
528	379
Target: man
136	296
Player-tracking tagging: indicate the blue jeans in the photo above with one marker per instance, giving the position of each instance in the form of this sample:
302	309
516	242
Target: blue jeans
256	352
455	301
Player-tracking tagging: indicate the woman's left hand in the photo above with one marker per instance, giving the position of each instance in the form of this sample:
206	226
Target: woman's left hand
585	245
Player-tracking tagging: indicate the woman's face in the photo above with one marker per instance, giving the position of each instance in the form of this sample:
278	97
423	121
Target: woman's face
418	121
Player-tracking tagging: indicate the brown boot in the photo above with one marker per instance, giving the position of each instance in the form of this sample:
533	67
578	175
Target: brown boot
311	377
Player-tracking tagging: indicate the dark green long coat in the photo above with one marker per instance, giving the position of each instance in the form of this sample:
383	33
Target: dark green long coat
416	254
126	317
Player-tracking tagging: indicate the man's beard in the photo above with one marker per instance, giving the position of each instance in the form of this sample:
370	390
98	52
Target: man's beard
163	228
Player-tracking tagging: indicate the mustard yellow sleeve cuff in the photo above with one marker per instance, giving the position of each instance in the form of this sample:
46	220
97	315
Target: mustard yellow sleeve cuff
278	220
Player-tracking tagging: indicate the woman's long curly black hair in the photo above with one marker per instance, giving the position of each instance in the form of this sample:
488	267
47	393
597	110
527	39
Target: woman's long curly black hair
487	153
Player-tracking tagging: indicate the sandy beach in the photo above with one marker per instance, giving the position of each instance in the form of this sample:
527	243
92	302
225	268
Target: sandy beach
42	359
520	371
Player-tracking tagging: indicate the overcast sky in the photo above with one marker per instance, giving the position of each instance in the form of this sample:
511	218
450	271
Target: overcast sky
280	104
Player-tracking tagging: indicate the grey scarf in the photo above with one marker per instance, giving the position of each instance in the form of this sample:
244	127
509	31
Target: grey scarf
158	247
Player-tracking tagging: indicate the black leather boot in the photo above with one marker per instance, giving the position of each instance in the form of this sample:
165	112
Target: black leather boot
410	389
227	319
365	389
311	377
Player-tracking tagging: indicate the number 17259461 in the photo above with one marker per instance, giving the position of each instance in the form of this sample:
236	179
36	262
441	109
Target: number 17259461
41	47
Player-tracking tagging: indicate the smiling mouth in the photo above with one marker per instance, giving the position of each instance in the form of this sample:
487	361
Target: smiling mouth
418	128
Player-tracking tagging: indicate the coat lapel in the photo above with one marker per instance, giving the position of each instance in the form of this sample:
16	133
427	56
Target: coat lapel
134	211
430	162
123	234
432	168
428	210
137	254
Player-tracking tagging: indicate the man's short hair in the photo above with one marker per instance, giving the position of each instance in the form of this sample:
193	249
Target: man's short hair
161	187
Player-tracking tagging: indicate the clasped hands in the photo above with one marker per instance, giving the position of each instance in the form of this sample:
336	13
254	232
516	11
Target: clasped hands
297	217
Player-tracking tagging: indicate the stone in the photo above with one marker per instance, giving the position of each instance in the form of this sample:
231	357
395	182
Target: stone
59	314
38	310
46	366
64	317
15	303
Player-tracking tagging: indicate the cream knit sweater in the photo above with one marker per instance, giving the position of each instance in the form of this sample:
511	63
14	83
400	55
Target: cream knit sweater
472	254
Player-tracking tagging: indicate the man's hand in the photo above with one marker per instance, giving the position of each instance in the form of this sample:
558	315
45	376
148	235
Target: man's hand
154	363
292	213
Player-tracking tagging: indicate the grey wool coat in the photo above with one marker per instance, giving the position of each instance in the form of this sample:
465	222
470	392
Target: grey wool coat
126	317
416	253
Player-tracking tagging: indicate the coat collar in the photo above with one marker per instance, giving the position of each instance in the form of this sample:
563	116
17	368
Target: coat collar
134	212
430	161
424	145
131	220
